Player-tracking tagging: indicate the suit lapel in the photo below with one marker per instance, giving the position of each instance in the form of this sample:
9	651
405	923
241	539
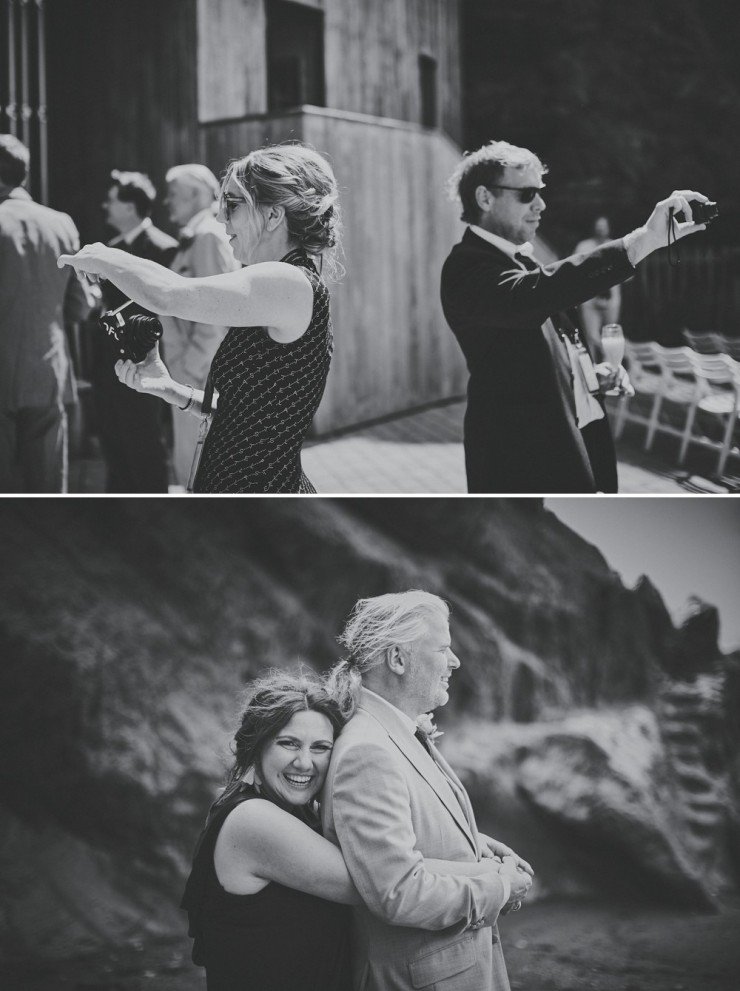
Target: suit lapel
423	763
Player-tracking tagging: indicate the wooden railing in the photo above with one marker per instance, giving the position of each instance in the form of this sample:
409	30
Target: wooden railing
701	292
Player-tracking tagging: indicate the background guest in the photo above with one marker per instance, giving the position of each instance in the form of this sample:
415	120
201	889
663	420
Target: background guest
605	307
129	423
189	346
36	298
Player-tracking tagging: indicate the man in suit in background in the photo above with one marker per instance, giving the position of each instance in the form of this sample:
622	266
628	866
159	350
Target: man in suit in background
535	420
129	423
36	299
397	809
192	191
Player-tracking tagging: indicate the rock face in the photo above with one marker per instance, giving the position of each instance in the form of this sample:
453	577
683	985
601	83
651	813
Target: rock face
608	801
128	629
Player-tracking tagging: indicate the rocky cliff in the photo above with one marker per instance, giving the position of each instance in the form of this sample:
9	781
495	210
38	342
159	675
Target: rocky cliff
594	736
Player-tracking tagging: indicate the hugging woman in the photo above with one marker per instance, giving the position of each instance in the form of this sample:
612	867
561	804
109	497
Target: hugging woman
279	206
269	898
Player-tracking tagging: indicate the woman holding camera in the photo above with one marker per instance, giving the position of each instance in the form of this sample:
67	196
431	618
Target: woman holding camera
279	207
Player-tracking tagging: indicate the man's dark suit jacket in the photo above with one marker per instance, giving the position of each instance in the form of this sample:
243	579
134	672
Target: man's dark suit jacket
521	433
129	423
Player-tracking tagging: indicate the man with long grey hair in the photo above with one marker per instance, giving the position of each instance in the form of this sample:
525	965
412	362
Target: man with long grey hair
395	807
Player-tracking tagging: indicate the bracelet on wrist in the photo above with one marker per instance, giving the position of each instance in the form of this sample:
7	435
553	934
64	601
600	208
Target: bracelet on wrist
190	399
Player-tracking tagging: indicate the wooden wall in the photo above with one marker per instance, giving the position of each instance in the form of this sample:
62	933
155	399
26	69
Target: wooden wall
394	350
232	70
372	49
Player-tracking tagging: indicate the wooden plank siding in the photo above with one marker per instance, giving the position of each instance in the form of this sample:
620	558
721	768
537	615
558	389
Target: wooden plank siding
232	59
372	49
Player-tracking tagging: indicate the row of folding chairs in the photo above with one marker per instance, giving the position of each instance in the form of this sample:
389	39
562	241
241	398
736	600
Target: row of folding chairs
713	343
689	381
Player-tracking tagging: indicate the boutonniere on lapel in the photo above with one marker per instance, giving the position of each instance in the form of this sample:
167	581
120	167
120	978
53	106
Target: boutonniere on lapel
428	727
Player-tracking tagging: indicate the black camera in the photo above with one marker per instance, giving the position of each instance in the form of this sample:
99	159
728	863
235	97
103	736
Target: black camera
132	337
702	213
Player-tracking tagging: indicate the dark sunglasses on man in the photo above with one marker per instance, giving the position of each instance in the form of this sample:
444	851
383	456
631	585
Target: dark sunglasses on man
526	193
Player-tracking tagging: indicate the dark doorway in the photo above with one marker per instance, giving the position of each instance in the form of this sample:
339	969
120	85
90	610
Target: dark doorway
295	55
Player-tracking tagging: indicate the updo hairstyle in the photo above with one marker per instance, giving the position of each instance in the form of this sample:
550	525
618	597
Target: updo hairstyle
301	181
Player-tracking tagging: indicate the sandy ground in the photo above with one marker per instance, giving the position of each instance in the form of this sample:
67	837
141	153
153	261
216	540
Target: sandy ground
552	946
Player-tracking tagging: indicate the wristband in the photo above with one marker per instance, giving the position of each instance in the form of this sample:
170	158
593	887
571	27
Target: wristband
190	400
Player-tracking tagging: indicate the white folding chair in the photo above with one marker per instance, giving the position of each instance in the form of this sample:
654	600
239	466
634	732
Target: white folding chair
678	386
646	378
719	380
708	343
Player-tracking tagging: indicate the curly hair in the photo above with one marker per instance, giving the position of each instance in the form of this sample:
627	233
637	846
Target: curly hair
299	179
136	188
269	703
485	167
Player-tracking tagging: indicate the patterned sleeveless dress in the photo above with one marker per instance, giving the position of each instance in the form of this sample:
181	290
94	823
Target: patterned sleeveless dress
268	393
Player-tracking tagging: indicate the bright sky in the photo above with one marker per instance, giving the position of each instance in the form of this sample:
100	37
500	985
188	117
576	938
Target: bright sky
685	545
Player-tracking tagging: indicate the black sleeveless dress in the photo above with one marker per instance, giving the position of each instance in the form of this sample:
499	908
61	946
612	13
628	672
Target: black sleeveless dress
276	940
268	394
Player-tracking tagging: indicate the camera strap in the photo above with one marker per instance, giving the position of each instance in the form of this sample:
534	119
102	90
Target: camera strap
205	423
673	259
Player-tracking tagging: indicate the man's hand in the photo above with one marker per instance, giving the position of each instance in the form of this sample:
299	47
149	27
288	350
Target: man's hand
613	378
494	848
654	234
520	882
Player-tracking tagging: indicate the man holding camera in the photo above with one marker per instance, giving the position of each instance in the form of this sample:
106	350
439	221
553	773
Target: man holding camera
129	423
535	420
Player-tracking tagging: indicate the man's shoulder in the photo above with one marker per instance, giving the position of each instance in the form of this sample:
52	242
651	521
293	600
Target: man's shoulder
41	213
154	244
158	238
470	246
362	730
19	217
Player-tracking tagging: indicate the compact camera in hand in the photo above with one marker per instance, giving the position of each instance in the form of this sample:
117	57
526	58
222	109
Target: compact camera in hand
134	336
702	213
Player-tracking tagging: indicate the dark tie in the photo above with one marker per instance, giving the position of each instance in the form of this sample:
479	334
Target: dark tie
527	261
185	240
423	740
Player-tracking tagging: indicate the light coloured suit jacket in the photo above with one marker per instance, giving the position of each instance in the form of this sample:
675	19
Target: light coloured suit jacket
390	807
36	297
189	347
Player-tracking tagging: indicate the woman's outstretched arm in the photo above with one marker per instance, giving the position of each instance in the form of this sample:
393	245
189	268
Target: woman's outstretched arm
269	294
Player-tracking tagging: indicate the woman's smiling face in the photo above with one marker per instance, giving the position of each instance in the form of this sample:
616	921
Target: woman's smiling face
294	763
